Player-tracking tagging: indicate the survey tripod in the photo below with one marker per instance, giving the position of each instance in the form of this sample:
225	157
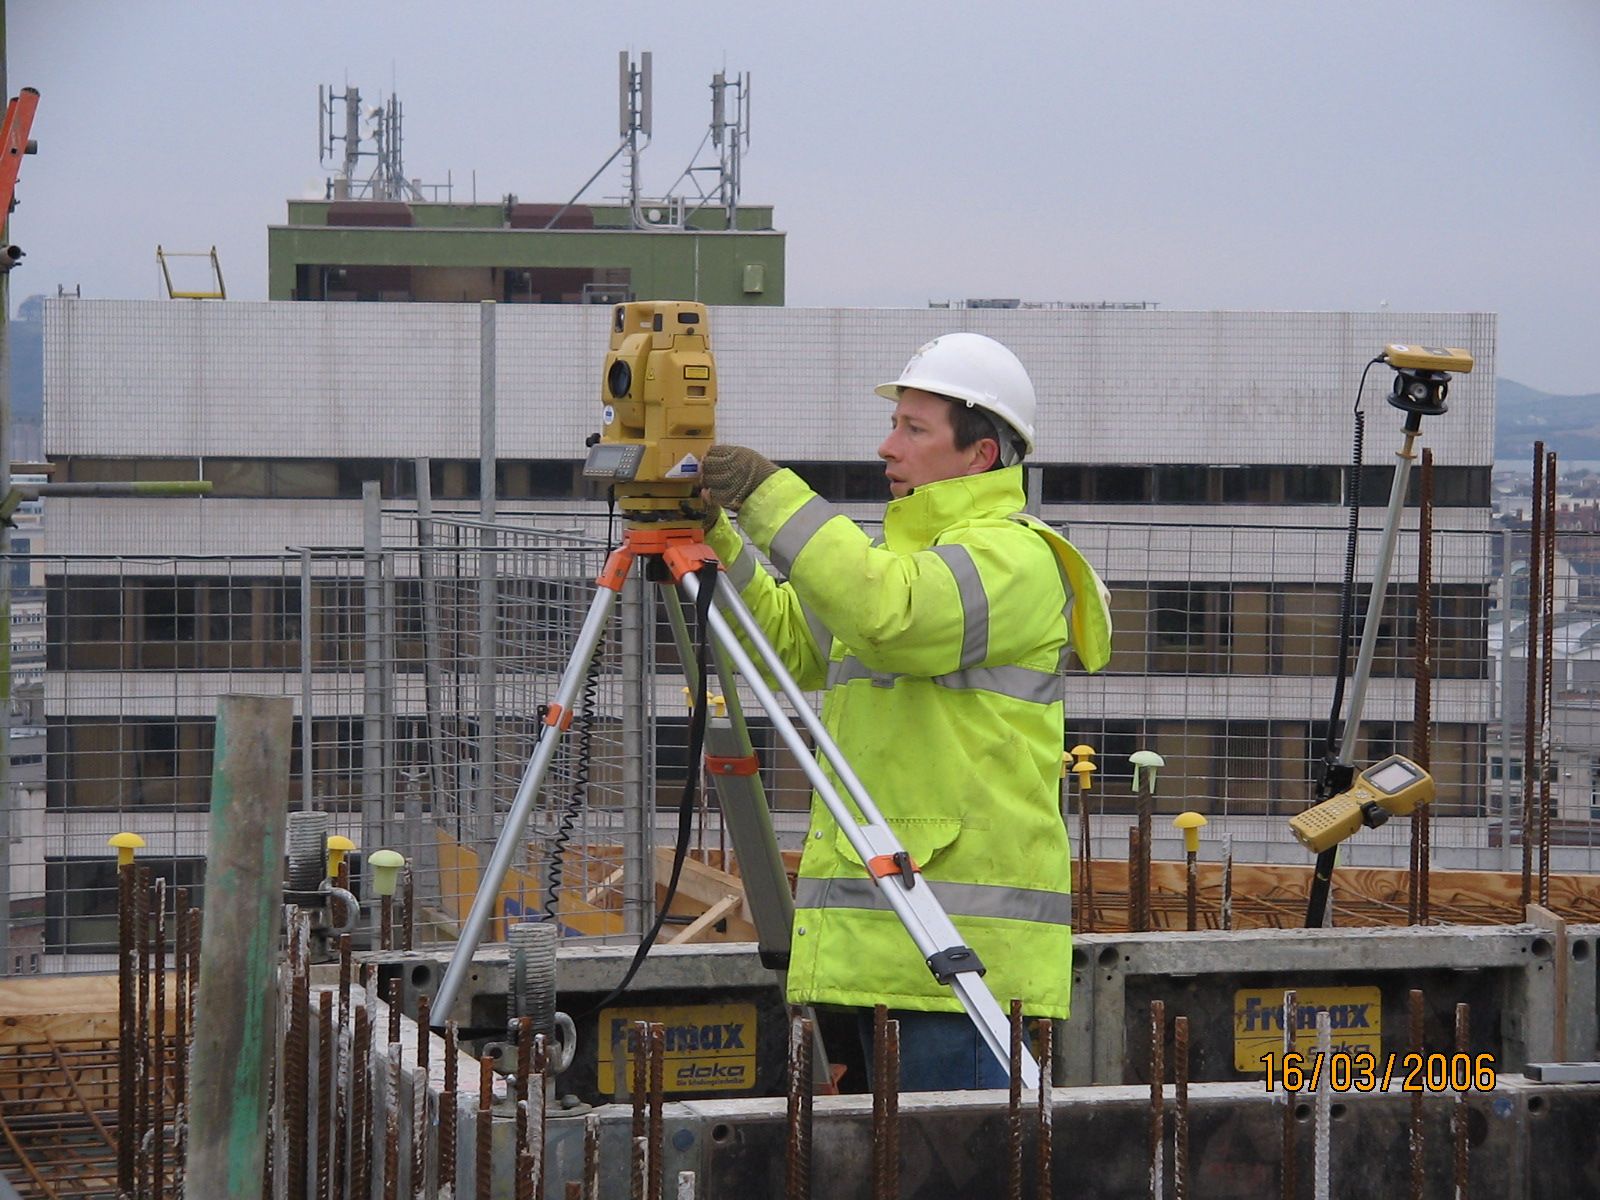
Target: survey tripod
677	556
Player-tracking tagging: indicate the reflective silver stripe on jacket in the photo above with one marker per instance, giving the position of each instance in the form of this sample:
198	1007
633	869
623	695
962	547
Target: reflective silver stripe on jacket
1016	683
957	899
742	569
974	603
820	633
797	531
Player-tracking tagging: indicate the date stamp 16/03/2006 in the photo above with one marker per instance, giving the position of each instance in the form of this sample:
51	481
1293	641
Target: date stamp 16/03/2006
1295	1071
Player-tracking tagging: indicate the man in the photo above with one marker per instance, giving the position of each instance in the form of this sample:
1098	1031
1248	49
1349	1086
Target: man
941	650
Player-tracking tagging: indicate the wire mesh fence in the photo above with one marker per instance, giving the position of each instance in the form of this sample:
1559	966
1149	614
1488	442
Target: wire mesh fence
421	664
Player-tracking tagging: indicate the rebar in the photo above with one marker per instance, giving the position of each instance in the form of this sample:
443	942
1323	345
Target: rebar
880	1041
408	895
1158	1117
391	1125
1014	1110
1418	1177
524	1028
386	923
342	1089
639	1176
658	1060
1145	801
361	1103
269	1157
447	1111
1291	1015
142	1116
1085	908
640	1086
1459	1122
180	1034
539	1099
195	922
484	1163
1547	675
891	1111
1225	915
1191	889
346	959
127	1029
591	1157
522	1184
797	1157
1044	1145
419	1093
158	1050
1530	745
296	1075
1321	1163
1137	909
394	1008
1422	701
1180	1128
325	1098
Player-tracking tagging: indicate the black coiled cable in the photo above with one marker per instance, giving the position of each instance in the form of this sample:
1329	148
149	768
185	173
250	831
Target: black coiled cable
583	722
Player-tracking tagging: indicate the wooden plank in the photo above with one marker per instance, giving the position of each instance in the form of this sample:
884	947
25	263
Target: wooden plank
67	1008
703	926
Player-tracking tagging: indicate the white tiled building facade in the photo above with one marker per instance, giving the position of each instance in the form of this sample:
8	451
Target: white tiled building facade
1241	419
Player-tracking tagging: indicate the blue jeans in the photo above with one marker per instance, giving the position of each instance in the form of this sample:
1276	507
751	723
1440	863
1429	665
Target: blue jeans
939	1052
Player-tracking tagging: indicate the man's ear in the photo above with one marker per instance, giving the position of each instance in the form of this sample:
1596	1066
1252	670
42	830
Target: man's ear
984	454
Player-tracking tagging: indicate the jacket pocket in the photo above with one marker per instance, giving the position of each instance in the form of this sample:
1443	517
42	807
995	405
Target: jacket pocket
924	839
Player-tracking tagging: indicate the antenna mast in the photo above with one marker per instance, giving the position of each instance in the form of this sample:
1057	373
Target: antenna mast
730	137
388	179
633	117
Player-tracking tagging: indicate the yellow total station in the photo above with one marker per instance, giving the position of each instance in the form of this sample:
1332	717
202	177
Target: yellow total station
1393	787
658	417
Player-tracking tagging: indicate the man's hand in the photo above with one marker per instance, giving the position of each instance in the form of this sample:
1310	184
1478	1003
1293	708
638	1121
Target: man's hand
730	473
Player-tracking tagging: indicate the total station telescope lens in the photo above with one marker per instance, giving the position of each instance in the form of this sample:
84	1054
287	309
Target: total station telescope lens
619	379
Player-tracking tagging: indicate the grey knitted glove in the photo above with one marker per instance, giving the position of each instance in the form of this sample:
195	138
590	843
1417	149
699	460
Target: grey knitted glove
730	473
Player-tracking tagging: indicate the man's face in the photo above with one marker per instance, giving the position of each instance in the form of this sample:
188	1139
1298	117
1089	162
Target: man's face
921	446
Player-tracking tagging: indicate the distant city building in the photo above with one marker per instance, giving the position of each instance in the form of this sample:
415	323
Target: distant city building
519	253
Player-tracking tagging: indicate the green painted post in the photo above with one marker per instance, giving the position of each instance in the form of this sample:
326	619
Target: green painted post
234	1012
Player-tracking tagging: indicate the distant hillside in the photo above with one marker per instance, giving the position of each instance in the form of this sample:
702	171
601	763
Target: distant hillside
1569	425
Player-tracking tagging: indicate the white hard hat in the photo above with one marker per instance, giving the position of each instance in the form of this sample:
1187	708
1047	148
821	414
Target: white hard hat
976	369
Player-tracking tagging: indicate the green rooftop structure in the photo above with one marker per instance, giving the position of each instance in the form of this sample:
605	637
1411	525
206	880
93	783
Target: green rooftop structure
519	253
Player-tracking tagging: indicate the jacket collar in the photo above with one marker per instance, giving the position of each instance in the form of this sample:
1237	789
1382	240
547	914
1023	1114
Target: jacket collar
913	522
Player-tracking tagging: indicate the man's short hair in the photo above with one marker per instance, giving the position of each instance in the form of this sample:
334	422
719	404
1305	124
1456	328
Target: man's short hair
972	424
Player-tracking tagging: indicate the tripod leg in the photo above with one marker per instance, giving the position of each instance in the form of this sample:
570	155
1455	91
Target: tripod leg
935	935
511	833
748	818
743	803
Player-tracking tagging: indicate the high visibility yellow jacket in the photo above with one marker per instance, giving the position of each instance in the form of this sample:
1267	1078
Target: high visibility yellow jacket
942	651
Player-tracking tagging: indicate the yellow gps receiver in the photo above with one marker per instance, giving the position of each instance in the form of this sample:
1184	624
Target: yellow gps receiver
1391	788
658	395
1428	358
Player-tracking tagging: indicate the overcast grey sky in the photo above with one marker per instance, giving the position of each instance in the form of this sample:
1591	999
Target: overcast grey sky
1278	154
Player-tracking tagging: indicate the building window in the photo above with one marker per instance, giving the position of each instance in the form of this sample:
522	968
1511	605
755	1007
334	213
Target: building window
1497	767
81	899
1191	629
